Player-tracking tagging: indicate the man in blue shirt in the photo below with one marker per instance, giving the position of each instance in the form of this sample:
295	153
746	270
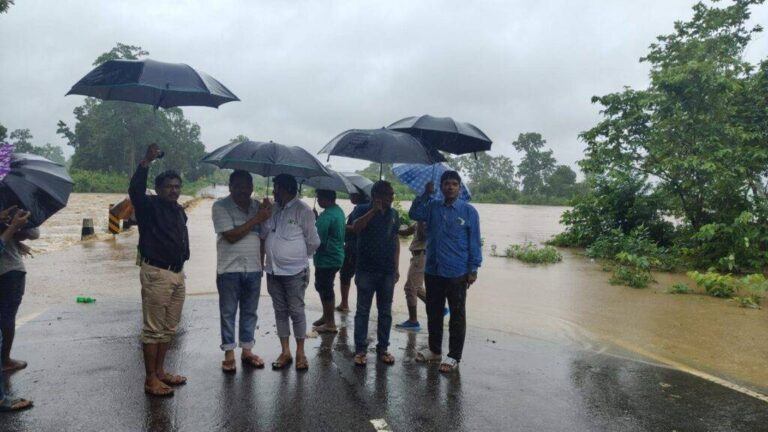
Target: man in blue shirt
378	253
453	257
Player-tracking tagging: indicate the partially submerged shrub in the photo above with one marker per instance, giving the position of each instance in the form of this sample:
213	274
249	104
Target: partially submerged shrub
748	290
679	288
632	270
530	253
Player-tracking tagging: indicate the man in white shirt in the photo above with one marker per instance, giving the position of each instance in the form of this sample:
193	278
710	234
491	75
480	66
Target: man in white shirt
237	221
290	240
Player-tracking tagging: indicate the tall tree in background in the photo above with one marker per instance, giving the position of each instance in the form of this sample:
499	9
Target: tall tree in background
487	174
4	5
111	135
537	164
561	182
22	141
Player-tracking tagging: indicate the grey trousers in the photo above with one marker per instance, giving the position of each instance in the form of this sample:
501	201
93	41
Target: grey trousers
287	294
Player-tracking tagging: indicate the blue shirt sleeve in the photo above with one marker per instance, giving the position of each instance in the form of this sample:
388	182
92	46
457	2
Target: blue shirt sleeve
419	210
475	251
358	211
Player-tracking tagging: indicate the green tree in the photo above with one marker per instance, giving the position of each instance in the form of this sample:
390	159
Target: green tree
111	136
693	142
22	141
537	164
3	133
561	182
4	5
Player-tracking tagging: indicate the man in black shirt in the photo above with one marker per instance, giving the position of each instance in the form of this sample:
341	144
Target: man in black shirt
164	247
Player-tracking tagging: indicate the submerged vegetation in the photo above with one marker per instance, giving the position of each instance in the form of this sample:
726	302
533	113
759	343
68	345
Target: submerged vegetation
530	253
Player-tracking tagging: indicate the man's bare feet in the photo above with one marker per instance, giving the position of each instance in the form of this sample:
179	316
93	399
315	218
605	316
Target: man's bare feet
171	379
319	322
342	308
154	387
11	365
326	328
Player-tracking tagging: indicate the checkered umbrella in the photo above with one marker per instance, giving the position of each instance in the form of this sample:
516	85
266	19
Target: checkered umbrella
416	177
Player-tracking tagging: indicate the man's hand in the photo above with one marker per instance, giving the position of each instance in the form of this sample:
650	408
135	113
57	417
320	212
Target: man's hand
19	219
429	188
5	215
471	278
153	151
24	249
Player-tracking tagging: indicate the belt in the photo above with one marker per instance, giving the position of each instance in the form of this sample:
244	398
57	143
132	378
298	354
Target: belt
173	268
417	252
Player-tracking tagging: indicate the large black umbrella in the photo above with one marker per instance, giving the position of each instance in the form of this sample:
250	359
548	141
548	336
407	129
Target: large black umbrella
267	159
36	184
444	133
382	146
154	83
336	182
363	184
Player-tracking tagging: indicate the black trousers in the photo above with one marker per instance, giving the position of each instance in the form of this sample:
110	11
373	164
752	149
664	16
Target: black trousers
440	289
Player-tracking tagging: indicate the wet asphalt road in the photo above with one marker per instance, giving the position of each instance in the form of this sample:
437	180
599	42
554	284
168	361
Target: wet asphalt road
86	374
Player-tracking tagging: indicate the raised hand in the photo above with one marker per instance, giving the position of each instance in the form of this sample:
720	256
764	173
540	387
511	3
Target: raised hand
153	152
5	215
429	188
19	219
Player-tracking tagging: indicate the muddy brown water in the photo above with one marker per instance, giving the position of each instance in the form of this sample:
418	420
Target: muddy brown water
566	303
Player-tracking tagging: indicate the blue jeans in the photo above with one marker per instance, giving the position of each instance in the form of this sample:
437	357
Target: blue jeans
2	391
242	289
368	284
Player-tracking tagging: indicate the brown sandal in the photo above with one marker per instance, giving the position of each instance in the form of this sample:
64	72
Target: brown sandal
173	380
253	361
360	359
386	358
229	366
281	362
158	392
301	363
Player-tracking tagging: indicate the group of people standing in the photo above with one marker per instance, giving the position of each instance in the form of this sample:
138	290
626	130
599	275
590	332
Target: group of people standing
278	238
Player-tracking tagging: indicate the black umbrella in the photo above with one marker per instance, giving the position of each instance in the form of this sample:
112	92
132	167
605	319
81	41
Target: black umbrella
153	83
382	146
267	159
36	184
444	133
363	184
336	182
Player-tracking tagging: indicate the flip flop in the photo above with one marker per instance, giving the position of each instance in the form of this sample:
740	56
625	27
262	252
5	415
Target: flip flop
325	329
386	358
281	362
158	392
341	309
11	405
253	361
173	380
318	323
360	359
426	356
449	365
301	363
229	366
18	365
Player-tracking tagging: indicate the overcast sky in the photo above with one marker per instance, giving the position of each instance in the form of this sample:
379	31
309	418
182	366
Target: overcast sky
307	70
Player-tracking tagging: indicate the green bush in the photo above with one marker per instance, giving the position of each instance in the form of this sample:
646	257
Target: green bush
96	181
747	289
633	270
530	253
679	288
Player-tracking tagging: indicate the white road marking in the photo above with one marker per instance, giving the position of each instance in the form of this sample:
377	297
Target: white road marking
380	425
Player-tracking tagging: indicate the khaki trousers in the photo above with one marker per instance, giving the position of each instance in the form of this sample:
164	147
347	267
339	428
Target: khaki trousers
414	284
162	297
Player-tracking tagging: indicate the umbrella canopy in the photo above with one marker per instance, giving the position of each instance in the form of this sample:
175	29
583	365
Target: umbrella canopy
362	184
444	133
416	177
382	146
336	182
36	184
267	159
153	83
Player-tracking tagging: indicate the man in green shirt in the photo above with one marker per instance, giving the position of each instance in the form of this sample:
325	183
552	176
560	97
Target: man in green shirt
329	256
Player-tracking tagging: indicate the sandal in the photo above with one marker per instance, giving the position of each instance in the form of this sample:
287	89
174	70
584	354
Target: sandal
301	363
10	405
174	380
229	366
14	366
427	356
341	309
326	329
319	322
253	361
159	392
386	358
360	359
282	361
449	365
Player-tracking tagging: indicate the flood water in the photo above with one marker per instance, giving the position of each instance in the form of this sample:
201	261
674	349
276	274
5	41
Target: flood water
566	303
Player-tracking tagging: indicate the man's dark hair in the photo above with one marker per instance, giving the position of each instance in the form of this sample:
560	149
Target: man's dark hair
379	187
287	183
326	194
240	174
165	176
450	175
